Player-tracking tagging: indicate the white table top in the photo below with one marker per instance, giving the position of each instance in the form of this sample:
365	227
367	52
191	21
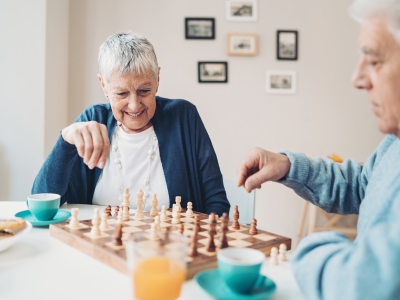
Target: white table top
39	266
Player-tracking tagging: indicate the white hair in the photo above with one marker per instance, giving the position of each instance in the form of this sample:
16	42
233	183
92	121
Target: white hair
361	10
127	52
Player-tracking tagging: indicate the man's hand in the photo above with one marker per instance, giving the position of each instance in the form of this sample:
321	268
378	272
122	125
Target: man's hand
260	166
91	141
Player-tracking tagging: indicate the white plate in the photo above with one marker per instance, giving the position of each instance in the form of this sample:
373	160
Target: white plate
18	233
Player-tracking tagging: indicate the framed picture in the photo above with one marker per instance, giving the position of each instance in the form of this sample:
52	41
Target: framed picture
286	44
242	44
241	10
213	71
200	28
281	82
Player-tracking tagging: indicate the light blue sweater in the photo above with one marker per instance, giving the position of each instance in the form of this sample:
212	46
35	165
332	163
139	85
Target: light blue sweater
329	266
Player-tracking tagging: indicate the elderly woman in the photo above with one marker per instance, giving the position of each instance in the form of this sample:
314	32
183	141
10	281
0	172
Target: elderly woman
137	141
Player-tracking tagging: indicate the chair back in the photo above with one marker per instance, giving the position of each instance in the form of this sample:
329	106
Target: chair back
240	197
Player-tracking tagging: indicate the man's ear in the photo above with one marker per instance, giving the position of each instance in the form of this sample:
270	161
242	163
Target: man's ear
158	83
103	85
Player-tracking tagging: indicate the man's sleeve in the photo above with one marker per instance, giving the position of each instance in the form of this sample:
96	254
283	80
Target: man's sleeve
329	266
335	187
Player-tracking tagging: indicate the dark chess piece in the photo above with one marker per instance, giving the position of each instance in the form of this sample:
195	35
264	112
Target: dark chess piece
116	210
235	224
212	232
117	241
197	223
108	210
193	245
253	227
182	228
223	242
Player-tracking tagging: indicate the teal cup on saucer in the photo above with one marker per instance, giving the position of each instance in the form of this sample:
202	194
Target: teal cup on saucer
240	268
43	207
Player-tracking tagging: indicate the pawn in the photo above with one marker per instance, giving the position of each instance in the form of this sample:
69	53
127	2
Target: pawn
154	203
120	221
178	200
189	211
282	253
163	216
165	232
116	210
253	227
193	245
104	222
95	231
157	222
235	224
175	215
117	241
108	210
274	256
197	223
74	222
153	232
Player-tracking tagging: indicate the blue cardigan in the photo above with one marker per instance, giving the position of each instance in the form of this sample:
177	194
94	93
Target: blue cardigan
189	161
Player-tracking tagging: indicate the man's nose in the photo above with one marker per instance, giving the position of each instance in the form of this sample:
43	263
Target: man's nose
360	79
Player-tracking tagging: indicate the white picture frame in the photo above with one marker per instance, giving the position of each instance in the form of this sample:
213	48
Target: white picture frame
243	44
241	10
281	82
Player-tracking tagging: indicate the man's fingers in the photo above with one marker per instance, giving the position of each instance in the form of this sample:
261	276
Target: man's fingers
88	145
242	175
98	144
254	181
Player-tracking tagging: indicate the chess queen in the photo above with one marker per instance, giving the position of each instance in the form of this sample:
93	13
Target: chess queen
138	140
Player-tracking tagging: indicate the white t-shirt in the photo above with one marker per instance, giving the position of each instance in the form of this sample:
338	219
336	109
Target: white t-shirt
133	150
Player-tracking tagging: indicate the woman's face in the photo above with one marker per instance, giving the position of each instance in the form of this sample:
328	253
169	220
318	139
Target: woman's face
132	99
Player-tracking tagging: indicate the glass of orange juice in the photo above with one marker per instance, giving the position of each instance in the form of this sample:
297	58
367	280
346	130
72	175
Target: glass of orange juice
157	264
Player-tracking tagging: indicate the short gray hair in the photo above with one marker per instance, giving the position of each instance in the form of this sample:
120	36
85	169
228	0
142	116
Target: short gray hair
361	10
127	52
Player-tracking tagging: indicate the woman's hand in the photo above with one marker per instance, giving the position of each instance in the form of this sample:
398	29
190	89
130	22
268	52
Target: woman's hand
91	141
260	166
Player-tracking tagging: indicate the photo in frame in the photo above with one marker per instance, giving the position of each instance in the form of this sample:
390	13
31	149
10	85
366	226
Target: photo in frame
213	71
281	82
287	44
200	28
241	10
242	44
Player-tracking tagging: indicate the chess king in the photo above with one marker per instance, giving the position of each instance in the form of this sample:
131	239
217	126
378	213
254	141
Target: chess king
327	265
137	140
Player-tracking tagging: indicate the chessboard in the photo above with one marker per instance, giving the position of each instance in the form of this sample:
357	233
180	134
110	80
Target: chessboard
103	249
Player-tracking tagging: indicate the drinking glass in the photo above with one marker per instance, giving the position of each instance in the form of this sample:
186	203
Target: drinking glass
157	265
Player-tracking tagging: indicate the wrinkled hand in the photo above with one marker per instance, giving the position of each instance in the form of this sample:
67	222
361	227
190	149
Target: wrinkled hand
260	166
91	141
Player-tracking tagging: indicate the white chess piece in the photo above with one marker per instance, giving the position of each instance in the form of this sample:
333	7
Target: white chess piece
153	232
154	203
157	222
104	222
175	215
282	253
274	256
74	222
125	205
189	211
119	220
178	200
95	231
163	216
139	211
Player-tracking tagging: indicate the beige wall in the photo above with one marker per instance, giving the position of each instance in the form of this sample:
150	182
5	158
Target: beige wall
326	115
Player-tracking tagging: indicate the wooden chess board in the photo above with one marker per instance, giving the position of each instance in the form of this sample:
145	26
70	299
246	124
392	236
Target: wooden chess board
103	249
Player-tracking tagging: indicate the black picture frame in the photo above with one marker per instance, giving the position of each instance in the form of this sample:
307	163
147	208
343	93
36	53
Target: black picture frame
287	44
219	71
203	33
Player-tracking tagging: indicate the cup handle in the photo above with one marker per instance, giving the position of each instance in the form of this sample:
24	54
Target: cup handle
27	203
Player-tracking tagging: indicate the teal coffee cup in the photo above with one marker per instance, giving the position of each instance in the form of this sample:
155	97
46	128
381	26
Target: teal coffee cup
43	207
240	267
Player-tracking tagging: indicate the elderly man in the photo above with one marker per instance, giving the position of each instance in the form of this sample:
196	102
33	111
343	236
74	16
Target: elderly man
159	146
327	265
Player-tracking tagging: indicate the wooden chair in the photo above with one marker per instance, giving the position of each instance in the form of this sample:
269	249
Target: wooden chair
330	225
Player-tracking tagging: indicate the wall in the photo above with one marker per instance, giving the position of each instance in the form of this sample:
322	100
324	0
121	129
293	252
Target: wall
326	115
22	88
33	88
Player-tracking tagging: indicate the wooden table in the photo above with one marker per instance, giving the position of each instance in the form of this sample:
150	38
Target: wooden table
40	267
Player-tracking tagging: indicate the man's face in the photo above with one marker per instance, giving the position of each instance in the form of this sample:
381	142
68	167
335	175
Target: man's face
132	99
378	72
